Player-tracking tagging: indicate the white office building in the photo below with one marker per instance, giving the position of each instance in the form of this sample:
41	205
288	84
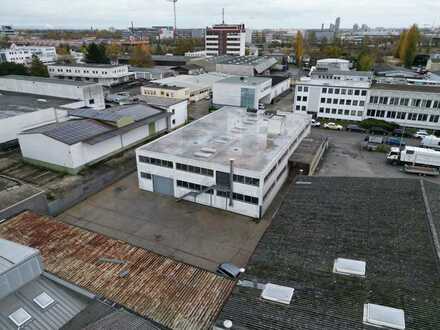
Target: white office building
334	99
225	39
231	159
342	75
246	92
91	136
333	64
23	54
406	105
104	74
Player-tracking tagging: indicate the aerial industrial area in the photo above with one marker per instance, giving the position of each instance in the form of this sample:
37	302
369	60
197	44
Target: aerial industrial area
220	177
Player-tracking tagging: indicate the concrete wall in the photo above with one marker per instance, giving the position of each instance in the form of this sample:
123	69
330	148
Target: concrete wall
180	94
36	203
279	89
12	126
226	94
180	114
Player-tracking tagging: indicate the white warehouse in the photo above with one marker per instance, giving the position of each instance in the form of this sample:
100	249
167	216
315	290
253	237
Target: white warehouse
178	109
104	74
231	159
246	92
94	135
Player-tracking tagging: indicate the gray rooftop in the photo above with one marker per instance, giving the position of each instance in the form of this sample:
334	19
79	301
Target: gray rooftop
407	88
12	254
14	104
233	133
49	80
160	101
344	73
89	65
248	81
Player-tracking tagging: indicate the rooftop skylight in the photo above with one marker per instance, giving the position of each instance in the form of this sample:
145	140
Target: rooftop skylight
278	293
349	267
382	316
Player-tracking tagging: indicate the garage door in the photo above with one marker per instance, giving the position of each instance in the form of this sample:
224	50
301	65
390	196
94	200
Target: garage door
162	185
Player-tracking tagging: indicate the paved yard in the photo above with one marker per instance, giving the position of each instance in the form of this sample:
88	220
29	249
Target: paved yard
188	232
345	158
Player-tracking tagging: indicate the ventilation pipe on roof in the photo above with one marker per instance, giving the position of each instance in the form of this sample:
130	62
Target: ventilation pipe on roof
231	182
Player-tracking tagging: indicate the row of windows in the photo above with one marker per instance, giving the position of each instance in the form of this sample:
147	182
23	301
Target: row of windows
404	101
145	175
155	161
238	197
341	112
194	186
194	169
301	88
270	172
246	180
403	115
344	91
304	98
354	103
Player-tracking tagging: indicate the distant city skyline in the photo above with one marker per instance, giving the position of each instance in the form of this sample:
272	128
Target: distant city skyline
256	14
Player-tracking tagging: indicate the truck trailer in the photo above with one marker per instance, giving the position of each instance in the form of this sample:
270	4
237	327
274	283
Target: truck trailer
415	157
430	141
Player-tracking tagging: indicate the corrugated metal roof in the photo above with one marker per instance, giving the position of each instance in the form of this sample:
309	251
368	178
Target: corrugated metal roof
12	254
174	294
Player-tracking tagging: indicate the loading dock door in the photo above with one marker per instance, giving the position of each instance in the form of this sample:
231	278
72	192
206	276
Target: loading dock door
162	185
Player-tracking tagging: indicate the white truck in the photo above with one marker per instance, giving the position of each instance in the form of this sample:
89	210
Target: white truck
430	141
416	160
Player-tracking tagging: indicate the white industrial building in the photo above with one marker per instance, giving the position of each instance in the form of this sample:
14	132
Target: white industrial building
333	64
192	87
91	136
334	99
342	75
246	92
178	109
27	102
245	65
280	86
231	159
104	74
406	105
23	54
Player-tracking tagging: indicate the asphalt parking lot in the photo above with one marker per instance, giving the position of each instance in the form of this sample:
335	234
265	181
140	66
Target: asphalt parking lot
185	231
345	157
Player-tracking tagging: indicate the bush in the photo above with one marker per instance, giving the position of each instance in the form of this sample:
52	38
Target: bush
369	123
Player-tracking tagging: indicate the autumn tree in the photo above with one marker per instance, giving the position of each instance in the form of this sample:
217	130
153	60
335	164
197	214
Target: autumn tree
113	51
365	62
400	45
410	46
299	47
141	57
38	68
63	49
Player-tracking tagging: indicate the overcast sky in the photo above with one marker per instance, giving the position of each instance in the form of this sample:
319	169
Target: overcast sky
201	13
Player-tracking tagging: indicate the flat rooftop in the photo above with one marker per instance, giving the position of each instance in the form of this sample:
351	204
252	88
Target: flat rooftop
247	81
380	221
13	192
90	65
233	133
158	101
368	74
204	80
407	88
14	104
47	80
334	83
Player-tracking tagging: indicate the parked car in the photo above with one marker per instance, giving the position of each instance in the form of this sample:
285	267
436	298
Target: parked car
315	123
395	141
229	270
421	134
333	126
355	128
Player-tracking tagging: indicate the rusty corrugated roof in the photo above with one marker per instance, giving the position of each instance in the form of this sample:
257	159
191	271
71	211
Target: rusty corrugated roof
172	293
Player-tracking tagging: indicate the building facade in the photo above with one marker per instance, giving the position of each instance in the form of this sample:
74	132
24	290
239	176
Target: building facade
177	108
106	75
23	54
332	99
333	64
159	90
231	159
225	39
342	75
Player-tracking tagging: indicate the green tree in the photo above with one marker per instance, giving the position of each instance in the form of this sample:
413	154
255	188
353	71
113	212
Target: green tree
400	44
141	57
96	54
38	68
410	46
4	42
365	62
8	68
299	47
113	51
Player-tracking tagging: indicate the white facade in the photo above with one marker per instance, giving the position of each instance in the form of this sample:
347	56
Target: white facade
193	162
332	99
23	54
46	151
247	92
106	75
86	94
279	89
333	64
177	108
366	76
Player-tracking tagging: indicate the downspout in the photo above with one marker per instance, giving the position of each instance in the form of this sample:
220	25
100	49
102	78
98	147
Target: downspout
231	182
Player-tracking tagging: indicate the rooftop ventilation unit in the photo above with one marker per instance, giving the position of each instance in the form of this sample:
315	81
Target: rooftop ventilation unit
208	150
19	317
349	267
202	154
43	300
382	316
277	293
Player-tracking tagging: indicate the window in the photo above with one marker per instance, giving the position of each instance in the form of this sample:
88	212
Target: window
361	103
298	98
371	113
353	112
357	92
194	187
330	90
306	89
304	98
380	113
339	111
145	175
155	161
174	122
43	300
342	101
270	172
194	169
300	88
303	108
350	92
333	111
359	113
383	100
434	118
404	102
364	93
412	116
346	112
238	197
422	117
343	91
355	103
324	90
348	102
298	107
337	91
401	115
335	101
329	101
246	180
327	110
416	102
321	110
322	99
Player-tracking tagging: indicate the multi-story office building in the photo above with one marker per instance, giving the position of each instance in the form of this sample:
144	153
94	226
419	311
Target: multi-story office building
23	54
231	159
342	75
104	74
335	99
225	39
406	105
